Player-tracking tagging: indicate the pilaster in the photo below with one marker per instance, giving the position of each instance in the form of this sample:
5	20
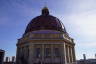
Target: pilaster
31	54
65	59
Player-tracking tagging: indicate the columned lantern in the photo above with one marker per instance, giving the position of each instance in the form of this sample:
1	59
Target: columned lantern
45	41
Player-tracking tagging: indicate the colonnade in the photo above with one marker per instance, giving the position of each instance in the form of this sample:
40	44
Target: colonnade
70	53
67	52
43	47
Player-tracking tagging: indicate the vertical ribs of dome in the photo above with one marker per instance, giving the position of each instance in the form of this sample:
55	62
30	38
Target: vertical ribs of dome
46	23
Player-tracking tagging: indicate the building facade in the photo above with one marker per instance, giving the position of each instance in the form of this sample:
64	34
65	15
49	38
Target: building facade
45	41
10	60
1	56
87	61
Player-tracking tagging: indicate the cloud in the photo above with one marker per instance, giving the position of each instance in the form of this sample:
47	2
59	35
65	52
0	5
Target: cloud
82	5
85	23
81	25
88	45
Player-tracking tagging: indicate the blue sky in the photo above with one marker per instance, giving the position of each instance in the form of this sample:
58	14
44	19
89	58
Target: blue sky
78	16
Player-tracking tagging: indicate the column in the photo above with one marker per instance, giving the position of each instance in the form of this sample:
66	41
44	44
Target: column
31	54
65	59
42	60
71	55
74	59
52	53
68	54
27	53
17	55
62	54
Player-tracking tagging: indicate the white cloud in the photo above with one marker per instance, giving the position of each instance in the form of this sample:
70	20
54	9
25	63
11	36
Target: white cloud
83	5
88	44
81	24
84	22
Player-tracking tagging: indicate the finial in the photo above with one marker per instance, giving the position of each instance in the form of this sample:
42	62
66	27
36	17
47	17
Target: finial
45	11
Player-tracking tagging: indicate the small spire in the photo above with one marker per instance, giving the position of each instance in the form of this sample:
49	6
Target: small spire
45	11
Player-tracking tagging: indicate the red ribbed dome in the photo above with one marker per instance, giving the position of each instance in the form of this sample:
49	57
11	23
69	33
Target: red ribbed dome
45	22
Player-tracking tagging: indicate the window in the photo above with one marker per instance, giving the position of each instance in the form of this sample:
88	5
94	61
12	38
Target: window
47	52
57	52
38	54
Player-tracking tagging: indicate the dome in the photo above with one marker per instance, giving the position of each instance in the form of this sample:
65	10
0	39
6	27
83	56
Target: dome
45	22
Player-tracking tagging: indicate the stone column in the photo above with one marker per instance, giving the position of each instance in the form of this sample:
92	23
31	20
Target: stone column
42	54
65	59
31	54
71	54
52	53
68	54
62	55
74	59
17	55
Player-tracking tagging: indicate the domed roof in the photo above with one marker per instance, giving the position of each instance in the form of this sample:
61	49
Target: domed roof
45	22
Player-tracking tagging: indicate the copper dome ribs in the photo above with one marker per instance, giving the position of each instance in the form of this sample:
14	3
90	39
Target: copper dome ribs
45	22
